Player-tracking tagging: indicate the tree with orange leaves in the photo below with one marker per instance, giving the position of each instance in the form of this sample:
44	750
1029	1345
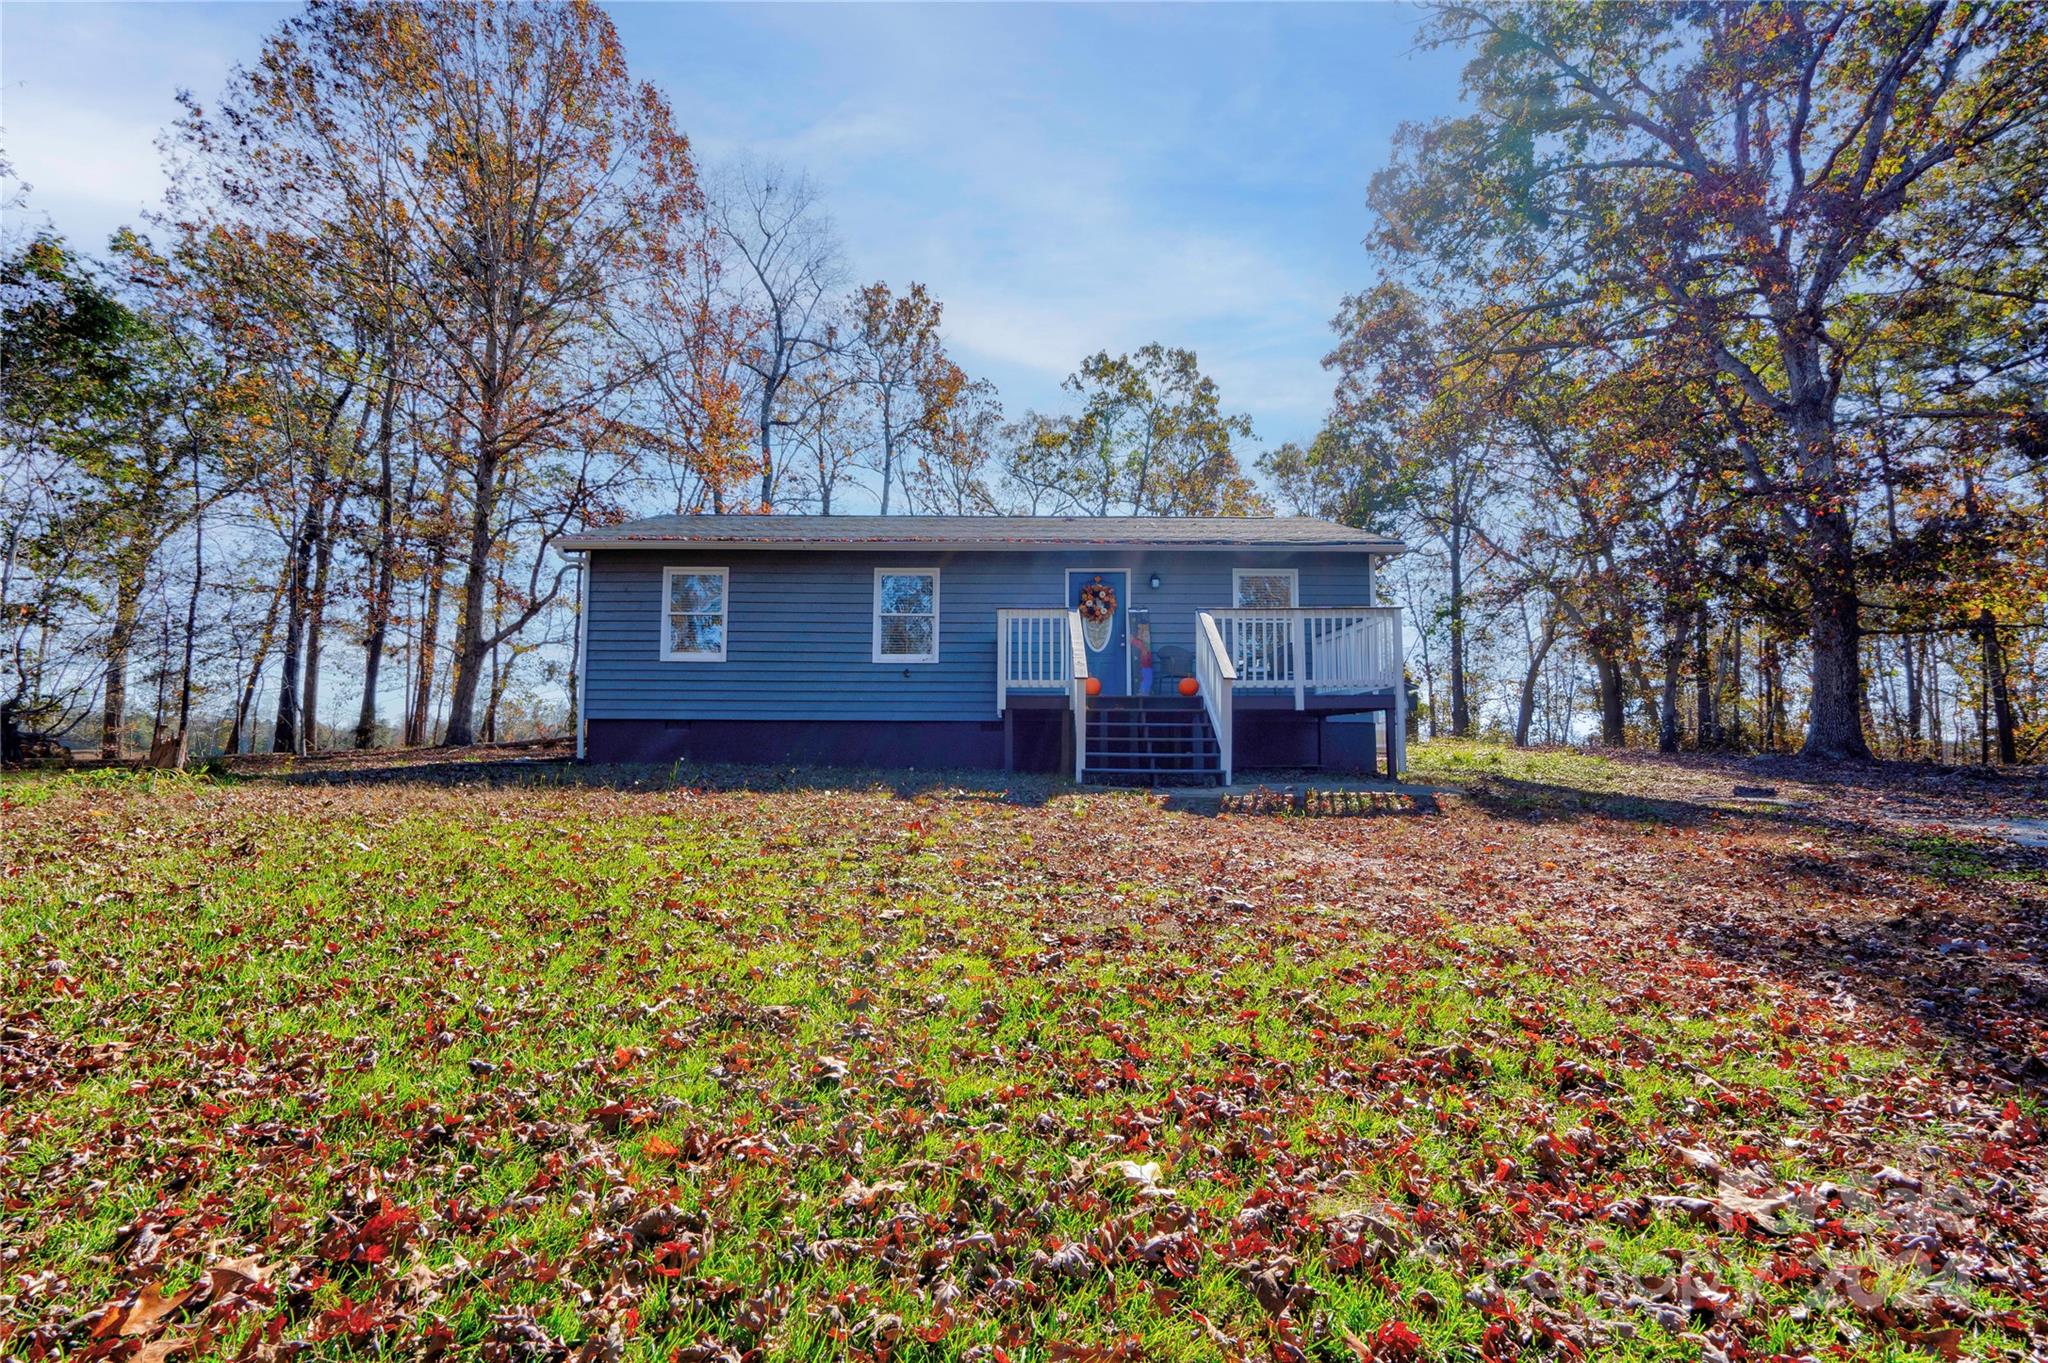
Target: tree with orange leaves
542	178
895	357
694	331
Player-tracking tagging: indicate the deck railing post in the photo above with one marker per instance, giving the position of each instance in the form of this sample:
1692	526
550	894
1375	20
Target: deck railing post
1397	741
1002	661
1297	660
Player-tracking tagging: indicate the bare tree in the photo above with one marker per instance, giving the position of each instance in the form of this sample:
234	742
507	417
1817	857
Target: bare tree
828	432
772	220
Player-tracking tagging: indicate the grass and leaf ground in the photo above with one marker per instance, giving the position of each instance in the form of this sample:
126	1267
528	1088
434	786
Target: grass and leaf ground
526	1064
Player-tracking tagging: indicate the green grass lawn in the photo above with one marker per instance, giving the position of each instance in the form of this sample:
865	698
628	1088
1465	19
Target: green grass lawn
535	1073
1458	760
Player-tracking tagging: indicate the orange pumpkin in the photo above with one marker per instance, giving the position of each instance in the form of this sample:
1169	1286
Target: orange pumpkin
1188	686
1093	686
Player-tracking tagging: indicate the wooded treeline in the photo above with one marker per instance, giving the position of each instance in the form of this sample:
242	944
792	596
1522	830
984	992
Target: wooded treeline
435	285
1705	365
1702	363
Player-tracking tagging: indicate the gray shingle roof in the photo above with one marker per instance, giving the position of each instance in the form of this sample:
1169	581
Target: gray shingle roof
985	532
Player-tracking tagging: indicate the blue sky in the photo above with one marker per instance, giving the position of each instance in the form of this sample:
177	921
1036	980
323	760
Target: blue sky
1064	178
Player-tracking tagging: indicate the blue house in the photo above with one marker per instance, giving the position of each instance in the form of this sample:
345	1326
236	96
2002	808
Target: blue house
1125	649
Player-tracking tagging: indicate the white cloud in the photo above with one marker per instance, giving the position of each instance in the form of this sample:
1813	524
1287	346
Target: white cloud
89	87
1065	180
1050	229
89	170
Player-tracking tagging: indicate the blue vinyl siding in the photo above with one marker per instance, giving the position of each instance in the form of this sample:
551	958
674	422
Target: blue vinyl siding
800	626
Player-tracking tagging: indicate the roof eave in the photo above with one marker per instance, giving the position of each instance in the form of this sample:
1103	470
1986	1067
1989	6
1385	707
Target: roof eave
576	544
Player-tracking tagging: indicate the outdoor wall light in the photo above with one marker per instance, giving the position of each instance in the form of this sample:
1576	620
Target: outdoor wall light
1155	582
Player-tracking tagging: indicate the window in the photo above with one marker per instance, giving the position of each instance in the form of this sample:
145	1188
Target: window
1262	646
1264	588
906	615
693	615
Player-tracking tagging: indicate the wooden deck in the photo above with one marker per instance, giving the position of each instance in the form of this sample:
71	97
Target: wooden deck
1312	661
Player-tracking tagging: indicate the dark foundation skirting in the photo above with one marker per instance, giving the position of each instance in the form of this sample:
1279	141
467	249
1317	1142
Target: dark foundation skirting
810	742
1037	740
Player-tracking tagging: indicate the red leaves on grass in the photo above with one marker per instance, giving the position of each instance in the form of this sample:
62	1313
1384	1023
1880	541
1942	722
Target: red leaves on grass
382	1234
1392	1341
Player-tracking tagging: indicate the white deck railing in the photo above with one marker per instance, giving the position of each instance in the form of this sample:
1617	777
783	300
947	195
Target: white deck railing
1031	652
1328	650
1215	678
1077	687
1314	648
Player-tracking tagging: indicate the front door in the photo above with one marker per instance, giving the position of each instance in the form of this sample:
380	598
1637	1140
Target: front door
1107	590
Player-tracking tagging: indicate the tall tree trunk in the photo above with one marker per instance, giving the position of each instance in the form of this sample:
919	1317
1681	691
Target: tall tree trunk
285	736
472	643
191	616
1774	694
416	731
316	625
501	681
419	729
1461	709
1428	681
491	697
1999	690
120	641
1608	674
264	640
1930	670
1525	709
289	737
1767	734
1909	743
888	452
1834	726
1984	715
1707	722
1734	673
1909	659
163	682
767	447
378	620
1667	709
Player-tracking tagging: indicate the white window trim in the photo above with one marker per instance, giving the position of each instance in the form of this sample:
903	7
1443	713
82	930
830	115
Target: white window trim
668	577
875	610
1238	575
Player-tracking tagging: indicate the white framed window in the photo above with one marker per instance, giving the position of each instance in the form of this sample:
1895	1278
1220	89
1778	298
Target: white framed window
693	614
906	615
1265	588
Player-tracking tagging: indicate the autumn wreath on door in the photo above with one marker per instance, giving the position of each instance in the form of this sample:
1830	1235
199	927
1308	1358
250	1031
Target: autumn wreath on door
1098	609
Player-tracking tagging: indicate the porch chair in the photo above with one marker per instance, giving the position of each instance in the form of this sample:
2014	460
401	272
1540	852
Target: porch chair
1170	663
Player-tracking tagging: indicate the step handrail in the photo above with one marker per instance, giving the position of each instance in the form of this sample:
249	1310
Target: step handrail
1077	688
1215	678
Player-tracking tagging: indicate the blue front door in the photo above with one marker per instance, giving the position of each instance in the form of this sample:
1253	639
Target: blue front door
1111	662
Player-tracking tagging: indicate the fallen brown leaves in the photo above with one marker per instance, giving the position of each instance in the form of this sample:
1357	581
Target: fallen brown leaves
717	1076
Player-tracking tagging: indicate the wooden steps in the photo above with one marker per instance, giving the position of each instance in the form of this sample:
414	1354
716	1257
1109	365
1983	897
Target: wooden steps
1150	740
